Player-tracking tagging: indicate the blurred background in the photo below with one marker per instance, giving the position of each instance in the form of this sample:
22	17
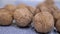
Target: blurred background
29	2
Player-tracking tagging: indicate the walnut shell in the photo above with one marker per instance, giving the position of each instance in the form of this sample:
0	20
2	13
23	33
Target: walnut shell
5	18
43	8
56	14
58	25
43	22
23	17
21	6
11	8
31	9
37	11
49	2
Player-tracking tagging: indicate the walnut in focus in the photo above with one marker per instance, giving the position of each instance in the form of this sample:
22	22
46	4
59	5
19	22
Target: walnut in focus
23	17
43	22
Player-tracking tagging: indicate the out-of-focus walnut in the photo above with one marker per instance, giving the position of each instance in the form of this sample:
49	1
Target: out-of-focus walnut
3	10
10	8
49	2
23	17
37	11
31	9
53	8
43	22
58	25
56	14
43	8
55	11
5	17
21	6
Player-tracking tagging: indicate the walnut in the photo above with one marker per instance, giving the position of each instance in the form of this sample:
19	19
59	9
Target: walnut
43	22
23	17
58	25
5	17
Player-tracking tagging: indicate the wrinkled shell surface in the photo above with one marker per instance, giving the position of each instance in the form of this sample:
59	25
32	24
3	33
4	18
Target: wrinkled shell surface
23	17
10	7
43	22
31	9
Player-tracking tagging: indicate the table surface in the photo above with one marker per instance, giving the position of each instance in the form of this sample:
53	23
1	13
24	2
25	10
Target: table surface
17	30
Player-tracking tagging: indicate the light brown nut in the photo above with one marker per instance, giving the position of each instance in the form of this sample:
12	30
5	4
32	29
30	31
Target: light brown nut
23	17
43	22
5	18
11	8
43	8
31	9
58	25
49	2
37	11
56	14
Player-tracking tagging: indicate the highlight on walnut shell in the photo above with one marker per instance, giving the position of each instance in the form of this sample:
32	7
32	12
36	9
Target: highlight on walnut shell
43	22
5	18
23	17
57	25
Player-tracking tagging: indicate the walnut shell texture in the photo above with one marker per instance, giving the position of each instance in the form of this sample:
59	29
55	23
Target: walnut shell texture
23	17
43	22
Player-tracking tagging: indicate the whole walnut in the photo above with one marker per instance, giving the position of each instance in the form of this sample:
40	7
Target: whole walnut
58	25
5	17
43	22
23	17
